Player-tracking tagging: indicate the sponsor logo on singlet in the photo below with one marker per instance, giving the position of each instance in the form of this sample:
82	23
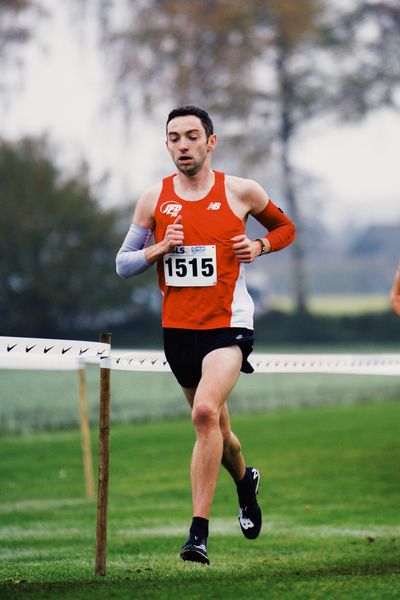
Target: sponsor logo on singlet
214	206
171	208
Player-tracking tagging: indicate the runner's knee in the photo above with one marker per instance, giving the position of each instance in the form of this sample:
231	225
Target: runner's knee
204	416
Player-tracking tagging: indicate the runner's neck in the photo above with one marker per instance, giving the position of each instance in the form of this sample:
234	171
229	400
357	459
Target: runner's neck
194	188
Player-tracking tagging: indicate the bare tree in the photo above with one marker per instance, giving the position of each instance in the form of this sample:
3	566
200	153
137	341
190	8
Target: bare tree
369	77
17	19
254	63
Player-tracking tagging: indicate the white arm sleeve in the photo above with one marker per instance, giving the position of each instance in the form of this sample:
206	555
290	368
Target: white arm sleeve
130	259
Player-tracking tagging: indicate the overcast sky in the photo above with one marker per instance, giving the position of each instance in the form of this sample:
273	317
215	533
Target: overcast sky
62	94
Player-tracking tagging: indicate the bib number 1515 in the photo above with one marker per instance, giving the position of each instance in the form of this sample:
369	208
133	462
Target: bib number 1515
191	266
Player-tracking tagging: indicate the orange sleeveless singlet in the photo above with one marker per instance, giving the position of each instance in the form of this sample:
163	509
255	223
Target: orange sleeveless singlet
207	223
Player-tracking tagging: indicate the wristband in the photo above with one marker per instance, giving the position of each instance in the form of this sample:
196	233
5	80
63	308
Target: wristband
263	247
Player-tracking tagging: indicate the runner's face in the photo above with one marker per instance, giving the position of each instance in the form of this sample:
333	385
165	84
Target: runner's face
187	144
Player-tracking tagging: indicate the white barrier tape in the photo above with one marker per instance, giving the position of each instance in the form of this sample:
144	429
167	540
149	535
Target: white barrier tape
30	353
355	364
105	362
61	349
364	364
140	360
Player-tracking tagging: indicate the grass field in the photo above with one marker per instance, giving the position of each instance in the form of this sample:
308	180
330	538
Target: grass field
330	496
337	304
37	400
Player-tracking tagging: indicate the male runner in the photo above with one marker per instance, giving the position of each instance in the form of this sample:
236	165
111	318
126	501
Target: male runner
198	219
395	292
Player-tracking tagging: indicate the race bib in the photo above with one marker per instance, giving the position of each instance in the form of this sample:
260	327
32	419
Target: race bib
191	266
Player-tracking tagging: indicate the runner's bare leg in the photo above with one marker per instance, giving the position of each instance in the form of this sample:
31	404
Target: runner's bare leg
215	443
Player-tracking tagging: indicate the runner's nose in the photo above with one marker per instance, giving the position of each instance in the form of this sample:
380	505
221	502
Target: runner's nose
183	145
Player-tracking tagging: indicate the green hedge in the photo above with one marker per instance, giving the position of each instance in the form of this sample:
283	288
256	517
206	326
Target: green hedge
282	328
274	327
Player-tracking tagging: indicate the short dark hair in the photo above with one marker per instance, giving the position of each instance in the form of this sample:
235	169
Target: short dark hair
184	111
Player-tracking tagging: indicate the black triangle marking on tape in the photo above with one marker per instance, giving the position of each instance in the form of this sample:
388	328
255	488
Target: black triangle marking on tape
165	362
46	350
83	351
117	360
28	349
64	350
153	362
9	348
142	361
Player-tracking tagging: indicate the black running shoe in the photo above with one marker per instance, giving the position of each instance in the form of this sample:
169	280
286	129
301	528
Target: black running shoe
195	549
250	517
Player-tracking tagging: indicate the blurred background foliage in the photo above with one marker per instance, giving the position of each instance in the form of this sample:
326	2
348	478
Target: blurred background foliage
265	68
56	246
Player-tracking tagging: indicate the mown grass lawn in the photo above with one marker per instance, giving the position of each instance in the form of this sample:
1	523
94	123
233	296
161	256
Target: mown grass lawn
338	304
330	497
38	400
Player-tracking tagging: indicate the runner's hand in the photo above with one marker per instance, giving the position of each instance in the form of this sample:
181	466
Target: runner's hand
246	250
173	235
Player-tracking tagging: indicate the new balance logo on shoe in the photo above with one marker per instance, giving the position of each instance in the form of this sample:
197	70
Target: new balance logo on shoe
245	522
256	477
250	517
201	546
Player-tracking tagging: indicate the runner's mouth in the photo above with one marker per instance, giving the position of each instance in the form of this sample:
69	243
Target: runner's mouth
185	159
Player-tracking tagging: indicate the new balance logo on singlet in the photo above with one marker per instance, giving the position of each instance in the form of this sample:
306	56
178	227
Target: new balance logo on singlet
214	206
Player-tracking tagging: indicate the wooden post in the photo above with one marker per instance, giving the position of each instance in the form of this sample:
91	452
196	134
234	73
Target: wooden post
85	436
104	451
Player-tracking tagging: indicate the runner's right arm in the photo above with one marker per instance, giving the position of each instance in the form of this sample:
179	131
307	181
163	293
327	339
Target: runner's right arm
134	257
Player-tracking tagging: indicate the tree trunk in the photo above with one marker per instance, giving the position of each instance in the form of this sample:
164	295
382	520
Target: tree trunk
298	266
286	128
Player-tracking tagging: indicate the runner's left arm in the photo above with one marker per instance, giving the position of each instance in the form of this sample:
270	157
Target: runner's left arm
281	230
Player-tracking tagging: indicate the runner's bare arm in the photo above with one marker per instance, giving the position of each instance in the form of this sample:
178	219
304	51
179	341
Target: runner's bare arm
144	217
145	207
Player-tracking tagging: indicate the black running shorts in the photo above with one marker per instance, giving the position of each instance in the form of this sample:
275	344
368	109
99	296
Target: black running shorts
186	348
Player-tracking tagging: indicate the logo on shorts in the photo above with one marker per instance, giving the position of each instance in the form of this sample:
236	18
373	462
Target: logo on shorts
171	208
